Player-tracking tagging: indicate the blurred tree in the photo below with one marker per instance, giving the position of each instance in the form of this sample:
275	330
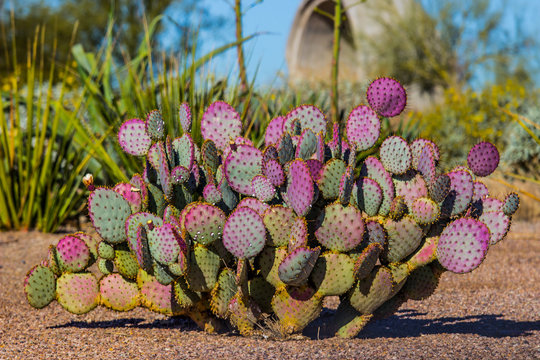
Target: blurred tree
183	19
452	43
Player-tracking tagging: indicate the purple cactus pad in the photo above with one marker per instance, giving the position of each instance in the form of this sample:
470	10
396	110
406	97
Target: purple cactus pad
300	187
274	131
184	115
363	127
309	117
133	138
386	96
221	124
483	158
241	166
244	234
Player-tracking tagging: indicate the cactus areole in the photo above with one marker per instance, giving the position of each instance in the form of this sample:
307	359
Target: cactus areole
225	230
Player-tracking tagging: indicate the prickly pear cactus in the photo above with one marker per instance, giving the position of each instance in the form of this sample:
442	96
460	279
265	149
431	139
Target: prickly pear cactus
225	230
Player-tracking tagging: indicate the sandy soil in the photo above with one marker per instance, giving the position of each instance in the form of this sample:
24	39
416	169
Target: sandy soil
492	313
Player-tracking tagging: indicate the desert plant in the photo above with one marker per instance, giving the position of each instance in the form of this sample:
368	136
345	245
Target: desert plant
228	231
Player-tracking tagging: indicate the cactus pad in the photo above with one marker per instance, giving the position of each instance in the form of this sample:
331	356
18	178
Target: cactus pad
77	293
157	297
133	138
274	131
269	260
241	166
308	117
204	223
300	190
330	177
184	115
299	234
440	188
307	145
203	269
254	204
396	155
278	220
426	164
40	286
373	291
374	169
425	211
404	237
105	250
126	263
461	193
118	294
365	262
72	254
498	224
418	145
244	234
386	96
483	158
421	284
333	274
131	194
363	127
263	188
369	196
109	211
463	245
274	172
155	126
163	242
511	204
296	308
296	267
221	123
340	228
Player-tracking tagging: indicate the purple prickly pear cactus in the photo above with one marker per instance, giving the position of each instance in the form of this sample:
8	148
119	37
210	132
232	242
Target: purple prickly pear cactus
483	159
387	97
221	124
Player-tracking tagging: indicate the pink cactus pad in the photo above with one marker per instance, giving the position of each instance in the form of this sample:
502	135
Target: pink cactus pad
425	211
363	127
299	234
72	253
163	243
386	96
480	191
244	234
133	138
211	193
315	167
274	131
461	193
263	188
184	115
426	165
204	223
274	172
118	294
416	149
132	196
138	183
241	166
309	117
483	158
221	124
463	245
254	204
340	228
300	187
77	293
498	224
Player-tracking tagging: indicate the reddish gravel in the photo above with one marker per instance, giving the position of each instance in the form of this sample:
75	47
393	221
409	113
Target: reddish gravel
492	313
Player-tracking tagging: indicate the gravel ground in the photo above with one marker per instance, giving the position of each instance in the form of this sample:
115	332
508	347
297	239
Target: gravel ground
492	313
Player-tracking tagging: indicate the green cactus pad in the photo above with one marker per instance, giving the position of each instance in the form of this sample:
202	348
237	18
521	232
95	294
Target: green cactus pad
137	243
333	274
118	293
346	186
155	126
440	188
156	200
461	193
105	250
204	223
203	269
105	266
286	149
133	138
498	224
369	196
157	297
511	204
398	208
244	234
340	228
72	254
410	187
404	237
161	273
330	177
268	262
363	127
243	314
278	220
425	211
158	159
299	234
296	267
183	151
421	284
126	263
221	123
307	145
373	291
109	211
374	169
426	254
222	293
241	166
365	262
300	191
77	293
308	117
296	308
263	188
348	322
40	286
261	291
396	155
210	155
184	297
164	243
52	261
